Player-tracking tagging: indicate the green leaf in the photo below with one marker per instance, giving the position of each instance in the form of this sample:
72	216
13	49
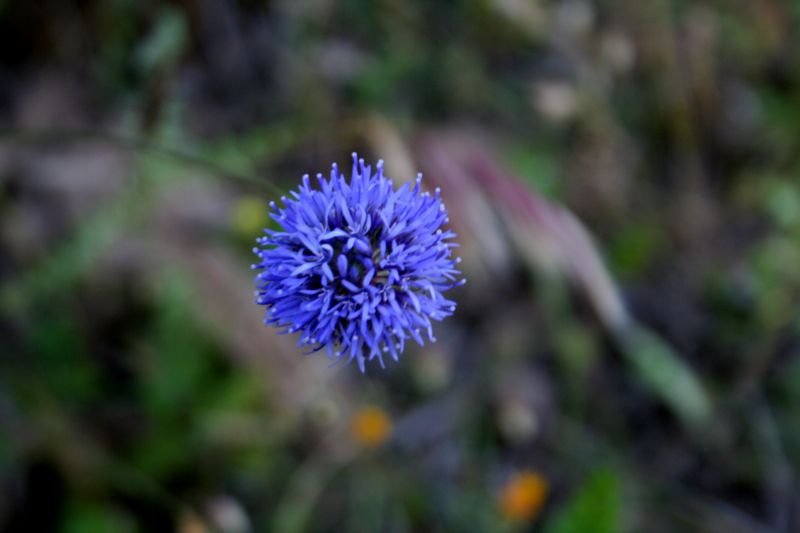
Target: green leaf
163	47
594	509
538	167
783	203
634	248
90	517
58	350
667	376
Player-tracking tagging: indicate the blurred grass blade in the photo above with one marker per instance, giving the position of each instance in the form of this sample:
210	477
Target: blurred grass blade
594	509
551	238
666	375
162	48
78	253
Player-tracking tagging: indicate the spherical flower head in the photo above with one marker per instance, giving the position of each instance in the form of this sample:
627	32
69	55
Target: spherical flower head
358	267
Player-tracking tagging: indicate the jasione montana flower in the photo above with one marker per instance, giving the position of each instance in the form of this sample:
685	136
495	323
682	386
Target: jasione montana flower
358	267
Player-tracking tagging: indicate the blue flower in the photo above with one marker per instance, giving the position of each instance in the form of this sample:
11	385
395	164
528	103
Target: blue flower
359	267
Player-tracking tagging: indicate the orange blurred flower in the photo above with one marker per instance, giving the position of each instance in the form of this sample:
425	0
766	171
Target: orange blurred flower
523	496
370	426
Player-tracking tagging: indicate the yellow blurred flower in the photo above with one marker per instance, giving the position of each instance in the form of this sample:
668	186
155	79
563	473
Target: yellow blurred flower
249	216
523	496
370	426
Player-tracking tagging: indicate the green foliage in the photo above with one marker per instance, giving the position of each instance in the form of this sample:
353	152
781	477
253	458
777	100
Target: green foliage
72	259
538	166
116	20
667	376
61	357
634	248
783	204
95	517
178	379
595	508
162	48
785	393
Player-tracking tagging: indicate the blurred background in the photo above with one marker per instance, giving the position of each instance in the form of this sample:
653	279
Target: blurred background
624	177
